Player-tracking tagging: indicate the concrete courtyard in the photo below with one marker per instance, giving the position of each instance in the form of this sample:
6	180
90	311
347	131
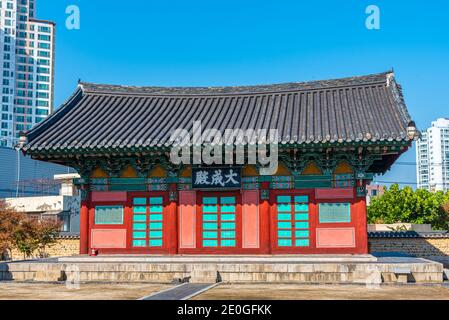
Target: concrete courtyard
59	291
325	292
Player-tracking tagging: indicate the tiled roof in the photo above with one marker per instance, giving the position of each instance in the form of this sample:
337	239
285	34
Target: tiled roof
98	117
407	234
69	236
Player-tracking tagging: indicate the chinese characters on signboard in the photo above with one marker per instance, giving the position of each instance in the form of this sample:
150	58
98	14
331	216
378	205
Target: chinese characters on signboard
216	178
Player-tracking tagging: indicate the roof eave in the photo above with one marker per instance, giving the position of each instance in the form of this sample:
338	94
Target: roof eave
61	111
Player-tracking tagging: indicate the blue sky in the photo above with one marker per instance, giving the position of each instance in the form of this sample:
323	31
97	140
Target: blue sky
208	43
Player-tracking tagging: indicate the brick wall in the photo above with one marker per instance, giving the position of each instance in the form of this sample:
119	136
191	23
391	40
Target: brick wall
418	247
63	248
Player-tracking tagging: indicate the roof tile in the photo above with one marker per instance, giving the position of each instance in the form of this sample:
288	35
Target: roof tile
368	108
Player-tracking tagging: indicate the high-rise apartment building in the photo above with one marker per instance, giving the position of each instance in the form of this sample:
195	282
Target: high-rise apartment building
26	68
432	157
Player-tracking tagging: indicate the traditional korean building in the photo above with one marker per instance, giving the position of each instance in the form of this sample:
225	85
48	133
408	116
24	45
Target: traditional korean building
334	136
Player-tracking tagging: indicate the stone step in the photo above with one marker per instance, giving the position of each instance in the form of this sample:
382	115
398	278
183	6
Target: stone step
153	277
342	258
199	276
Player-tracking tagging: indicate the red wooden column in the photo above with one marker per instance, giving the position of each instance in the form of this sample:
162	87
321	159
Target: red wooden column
362	221
362	226
172	226
84	227
265	220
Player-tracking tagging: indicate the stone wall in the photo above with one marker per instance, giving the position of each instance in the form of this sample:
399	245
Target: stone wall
419	246
63	248
430	245
415	247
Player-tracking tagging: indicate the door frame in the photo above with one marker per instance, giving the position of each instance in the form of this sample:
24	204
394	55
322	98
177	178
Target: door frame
165	226
275	248
199	222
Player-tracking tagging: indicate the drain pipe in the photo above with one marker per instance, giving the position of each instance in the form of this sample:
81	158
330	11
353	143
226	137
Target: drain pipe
18	172
18	147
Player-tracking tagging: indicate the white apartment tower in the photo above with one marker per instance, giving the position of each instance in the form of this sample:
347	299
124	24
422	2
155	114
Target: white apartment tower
432	157
26	68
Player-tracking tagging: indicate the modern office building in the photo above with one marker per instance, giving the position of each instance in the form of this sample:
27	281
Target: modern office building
373	191
26	68
63	207
432	157
21	176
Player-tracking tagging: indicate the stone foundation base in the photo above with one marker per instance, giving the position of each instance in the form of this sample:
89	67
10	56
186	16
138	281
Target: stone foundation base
383	271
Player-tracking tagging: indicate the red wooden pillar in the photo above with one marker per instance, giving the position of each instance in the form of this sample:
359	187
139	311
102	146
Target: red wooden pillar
363	226
84	227
265	220
173	220
362	221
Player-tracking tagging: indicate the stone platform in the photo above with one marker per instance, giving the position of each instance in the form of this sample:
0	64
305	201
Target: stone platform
333	269
220	259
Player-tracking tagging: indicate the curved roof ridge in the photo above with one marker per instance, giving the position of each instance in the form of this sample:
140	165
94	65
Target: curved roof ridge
378	78
55	116
367	109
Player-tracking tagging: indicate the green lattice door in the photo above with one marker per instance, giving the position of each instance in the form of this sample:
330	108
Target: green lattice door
148	222
293	221
219	221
